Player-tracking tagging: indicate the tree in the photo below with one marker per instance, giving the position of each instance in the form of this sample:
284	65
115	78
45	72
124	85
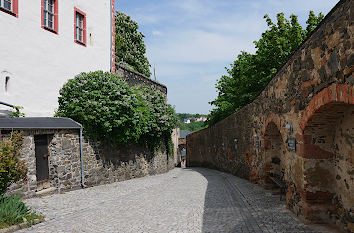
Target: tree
250	73
130	47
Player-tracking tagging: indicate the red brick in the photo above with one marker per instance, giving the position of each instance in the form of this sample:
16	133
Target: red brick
317	197
229	155
307	139
315	152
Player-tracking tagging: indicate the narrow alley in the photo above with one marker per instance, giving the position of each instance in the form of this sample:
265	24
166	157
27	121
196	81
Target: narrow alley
183	200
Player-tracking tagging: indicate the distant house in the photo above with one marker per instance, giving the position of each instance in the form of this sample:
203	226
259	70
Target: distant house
44	43
202	118
187	121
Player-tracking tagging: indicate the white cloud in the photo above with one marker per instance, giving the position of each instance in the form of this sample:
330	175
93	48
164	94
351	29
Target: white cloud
156	33
197	46
193	7
191	41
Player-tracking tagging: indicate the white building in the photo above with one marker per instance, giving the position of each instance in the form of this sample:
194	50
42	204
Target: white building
43	43
187	121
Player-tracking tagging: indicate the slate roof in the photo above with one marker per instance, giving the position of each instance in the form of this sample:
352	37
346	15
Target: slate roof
184	133
38	123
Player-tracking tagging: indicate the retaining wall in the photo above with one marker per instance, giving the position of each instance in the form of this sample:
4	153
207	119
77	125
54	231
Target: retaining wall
103	163
302	125
133	78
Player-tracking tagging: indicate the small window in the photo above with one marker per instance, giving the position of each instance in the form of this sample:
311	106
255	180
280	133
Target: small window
80	27
48	11
50	15
7	79
9	6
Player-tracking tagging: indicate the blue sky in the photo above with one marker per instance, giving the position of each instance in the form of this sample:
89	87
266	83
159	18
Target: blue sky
192	41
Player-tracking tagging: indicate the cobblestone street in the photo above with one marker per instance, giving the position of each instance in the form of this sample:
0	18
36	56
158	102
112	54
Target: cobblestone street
183	200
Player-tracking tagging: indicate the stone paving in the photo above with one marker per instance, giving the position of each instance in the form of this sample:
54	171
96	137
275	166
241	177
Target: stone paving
183	200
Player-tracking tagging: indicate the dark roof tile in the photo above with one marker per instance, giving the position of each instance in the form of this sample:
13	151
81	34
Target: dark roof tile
39	123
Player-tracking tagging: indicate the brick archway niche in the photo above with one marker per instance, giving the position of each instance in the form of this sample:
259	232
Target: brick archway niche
327	149
274	153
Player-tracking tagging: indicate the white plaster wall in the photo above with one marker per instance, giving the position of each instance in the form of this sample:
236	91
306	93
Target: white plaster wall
40	62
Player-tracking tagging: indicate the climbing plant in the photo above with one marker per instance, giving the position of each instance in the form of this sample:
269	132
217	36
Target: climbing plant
129	44
12	169
248	75
159	119
111	110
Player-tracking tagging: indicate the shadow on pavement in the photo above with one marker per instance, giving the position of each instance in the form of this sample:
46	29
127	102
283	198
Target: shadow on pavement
233	204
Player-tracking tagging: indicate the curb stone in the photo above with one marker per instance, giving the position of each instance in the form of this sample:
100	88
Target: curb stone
21	226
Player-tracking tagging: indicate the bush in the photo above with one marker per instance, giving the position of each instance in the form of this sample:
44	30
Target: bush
159	118
11	168
109	109
14	211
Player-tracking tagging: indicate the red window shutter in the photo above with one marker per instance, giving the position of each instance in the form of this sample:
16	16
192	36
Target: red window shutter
56	16
15	7
85	29
42	13
75	24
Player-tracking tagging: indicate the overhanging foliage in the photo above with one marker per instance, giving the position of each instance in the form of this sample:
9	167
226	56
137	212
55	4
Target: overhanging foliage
250	73
129	44
111	110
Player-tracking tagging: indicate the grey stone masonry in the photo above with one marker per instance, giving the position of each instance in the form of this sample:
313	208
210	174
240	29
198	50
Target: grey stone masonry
133	78
64	161
103	163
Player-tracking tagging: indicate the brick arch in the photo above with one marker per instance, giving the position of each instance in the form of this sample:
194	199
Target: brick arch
275	119
272	118
274	155
336	93
326	125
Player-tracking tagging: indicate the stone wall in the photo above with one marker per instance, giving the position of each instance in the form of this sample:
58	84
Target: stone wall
64	161
133	78
302	124
103	163
175	136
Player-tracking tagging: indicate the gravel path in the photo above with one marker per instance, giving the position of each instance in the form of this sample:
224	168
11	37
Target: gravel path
183	200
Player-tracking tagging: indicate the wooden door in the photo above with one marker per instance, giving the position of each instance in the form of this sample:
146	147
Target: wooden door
42	153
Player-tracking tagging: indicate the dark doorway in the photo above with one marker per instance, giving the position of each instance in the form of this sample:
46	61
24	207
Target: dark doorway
274	155
42	166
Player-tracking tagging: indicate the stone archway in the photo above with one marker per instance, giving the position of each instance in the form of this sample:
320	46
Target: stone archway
274	154
328	152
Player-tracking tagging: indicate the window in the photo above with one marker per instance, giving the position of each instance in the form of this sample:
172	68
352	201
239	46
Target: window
5	82
48	11
9	6
50	15
80	27
7	79
6	4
